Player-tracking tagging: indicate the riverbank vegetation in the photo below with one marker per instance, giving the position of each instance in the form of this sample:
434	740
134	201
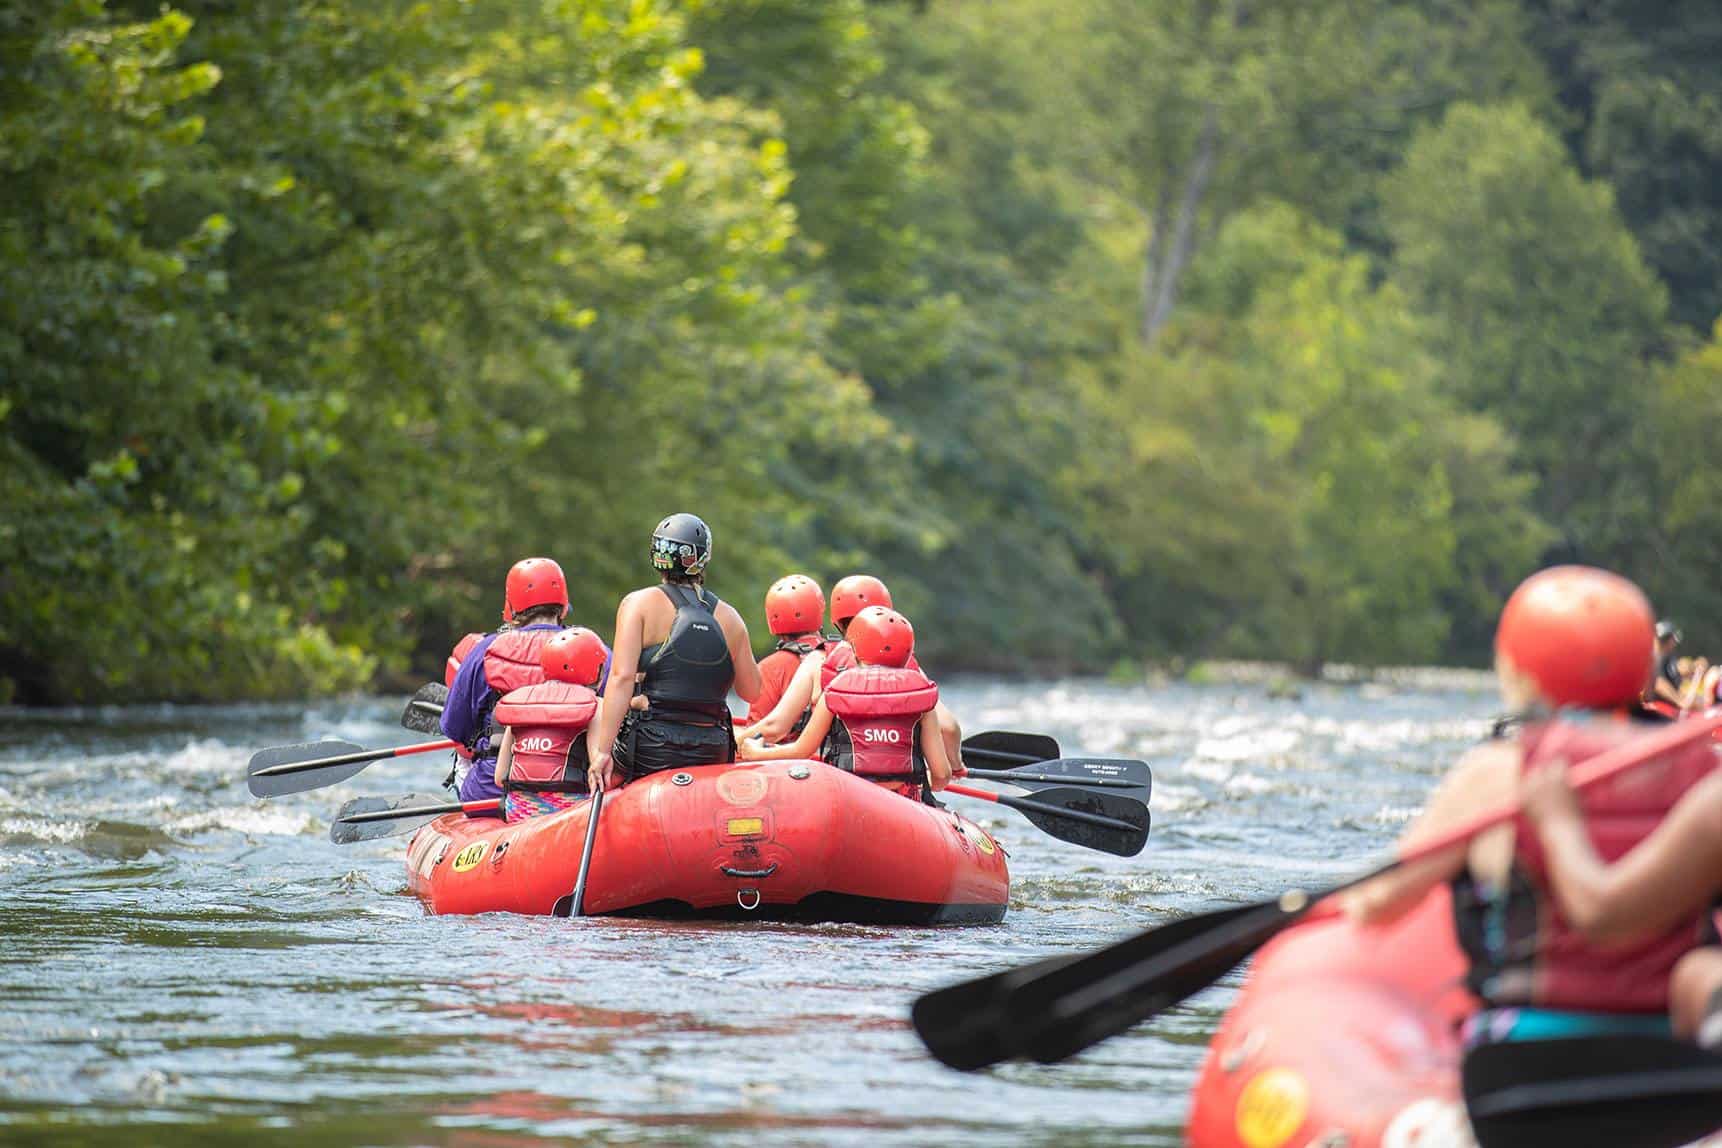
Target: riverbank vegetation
1125	329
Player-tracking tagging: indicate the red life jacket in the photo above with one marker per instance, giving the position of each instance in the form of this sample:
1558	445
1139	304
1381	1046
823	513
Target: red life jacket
776	670
549	722
511	662
840	657
875	712
458	655
512	659
1544	961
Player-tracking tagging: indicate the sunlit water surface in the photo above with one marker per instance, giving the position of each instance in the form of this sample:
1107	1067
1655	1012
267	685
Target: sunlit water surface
181	963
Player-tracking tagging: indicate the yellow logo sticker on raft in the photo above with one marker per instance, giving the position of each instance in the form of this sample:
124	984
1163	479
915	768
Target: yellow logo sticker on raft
979	836
469	857
1271	1108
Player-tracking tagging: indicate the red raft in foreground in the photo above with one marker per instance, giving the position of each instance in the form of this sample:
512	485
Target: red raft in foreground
794	840
1343	1037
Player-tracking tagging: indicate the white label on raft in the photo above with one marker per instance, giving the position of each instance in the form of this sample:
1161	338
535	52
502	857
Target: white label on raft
1430	1123
426	850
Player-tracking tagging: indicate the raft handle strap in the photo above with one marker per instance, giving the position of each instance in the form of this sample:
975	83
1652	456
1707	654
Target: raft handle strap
727	871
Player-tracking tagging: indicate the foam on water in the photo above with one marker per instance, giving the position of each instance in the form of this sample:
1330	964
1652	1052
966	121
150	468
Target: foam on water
56	832
253	820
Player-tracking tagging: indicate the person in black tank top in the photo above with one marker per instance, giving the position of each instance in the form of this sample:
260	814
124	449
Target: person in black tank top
682	681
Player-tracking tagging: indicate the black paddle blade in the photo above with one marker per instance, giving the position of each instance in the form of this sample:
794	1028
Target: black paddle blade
1008	750
409	812
981	1022
300	782
1588	1092
1105	803
424	710
960	1024
1060	1013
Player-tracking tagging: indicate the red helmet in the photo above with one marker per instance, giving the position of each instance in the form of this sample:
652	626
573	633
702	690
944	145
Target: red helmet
881	637
1584	636
854	594
794	605
533	582
576	655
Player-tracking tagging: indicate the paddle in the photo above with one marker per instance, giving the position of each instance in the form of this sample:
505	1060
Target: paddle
424	709
312	765
1050	1011
367	818
1591	1092
577	901
1093	819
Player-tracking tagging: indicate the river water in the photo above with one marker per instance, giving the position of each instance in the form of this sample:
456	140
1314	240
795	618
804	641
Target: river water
181	962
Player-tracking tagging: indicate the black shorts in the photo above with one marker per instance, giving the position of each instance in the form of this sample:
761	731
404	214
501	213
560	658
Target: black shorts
654	740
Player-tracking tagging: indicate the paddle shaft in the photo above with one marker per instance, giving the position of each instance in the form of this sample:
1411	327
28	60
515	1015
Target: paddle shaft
578	902
1025	804
1026	775
424	811
354	758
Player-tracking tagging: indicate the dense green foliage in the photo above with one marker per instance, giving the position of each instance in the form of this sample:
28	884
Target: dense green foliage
1129	329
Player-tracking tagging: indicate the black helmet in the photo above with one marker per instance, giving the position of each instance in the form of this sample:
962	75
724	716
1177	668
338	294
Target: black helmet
1667	629
682	543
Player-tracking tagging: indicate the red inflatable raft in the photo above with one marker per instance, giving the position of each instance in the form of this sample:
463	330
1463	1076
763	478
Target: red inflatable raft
1343	1037
784	839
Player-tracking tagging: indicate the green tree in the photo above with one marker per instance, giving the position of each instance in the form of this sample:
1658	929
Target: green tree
1643	98
1542	311
1296	482
130	443
1685	425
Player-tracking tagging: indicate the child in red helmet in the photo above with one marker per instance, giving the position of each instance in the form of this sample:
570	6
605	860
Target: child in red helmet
541	765
534	602
876	718
788	715
794	612
1574	648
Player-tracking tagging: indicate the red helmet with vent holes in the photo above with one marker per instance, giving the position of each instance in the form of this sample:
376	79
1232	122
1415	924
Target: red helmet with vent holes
575	655
881	637
854	594
794	605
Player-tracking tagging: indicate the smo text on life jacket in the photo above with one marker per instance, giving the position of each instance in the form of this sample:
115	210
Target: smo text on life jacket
549	722
1535	958
876	711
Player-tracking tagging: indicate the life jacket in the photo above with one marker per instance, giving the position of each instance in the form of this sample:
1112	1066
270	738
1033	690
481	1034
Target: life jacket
776	670
691	669
875	713
1523	950
458	655
841	656
549	722
511	662
686	680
